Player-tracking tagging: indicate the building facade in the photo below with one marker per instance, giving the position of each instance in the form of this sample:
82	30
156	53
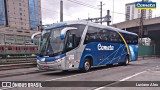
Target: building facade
19	20
34	13
133	13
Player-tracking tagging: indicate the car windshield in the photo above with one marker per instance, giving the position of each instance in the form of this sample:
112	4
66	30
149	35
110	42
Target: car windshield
50	43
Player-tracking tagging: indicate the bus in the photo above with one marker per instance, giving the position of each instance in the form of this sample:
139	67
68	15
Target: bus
81	45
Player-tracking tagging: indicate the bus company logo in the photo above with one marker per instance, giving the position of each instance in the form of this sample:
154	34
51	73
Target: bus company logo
145	5
101	47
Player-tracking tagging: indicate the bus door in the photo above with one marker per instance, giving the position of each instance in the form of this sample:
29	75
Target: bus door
69	48
72	40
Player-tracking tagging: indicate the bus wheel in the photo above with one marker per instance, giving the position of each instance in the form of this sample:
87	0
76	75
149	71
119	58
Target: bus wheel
127	60
86	65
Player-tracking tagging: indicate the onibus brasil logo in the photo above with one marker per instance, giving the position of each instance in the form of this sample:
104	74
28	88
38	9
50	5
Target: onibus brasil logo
145	5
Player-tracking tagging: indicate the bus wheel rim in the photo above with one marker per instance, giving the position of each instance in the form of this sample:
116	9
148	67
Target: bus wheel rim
87	65
127	61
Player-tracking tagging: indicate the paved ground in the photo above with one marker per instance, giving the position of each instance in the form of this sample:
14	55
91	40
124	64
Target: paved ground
141	70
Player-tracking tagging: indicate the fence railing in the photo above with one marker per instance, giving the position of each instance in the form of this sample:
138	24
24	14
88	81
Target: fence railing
14	54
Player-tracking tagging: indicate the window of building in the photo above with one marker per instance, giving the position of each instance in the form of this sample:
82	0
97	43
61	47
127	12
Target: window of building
20	9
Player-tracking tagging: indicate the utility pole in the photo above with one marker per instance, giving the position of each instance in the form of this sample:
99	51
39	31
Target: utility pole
141	23
61	11
113	13
108	17
101	11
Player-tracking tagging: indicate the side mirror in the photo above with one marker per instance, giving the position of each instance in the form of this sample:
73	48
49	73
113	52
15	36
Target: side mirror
32	37
63	32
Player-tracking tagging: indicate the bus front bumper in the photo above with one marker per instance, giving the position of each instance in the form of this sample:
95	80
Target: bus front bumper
51	65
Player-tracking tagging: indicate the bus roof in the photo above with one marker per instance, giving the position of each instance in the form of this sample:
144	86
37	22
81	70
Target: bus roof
87	23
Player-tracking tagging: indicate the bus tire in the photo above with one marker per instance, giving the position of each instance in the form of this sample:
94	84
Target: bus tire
127	60
86	65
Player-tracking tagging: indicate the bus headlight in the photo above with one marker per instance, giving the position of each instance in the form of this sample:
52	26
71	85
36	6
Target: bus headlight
59	60
70	57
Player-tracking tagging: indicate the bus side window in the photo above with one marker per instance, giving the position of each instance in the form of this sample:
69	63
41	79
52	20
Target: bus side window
130	39
92	35
70	41
104	35
114	37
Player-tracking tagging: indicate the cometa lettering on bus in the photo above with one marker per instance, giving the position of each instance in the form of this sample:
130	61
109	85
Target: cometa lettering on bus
100	47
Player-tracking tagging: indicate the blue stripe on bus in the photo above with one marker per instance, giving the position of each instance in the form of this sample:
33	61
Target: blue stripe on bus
50	59
104	56
113	58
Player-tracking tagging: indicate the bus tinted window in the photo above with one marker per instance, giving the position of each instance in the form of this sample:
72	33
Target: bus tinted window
114	37
130	39
92	35
102	35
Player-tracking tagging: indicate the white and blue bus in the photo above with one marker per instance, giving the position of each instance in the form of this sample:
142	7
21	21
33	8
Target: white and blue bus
82	45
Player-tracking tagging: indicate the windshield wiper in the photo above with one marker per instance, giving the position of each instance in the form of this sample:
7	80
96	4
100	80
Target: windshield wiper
55	54
44	47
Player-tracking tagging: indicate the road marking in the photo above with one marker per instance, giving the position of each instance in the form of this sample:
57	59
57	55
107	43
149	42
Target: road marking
67	76
132	76
63	77
124	79
75	75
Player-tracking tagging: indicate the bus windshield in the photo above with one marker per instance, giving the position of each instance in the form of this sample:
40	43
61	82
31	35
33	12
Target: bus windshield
50	43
